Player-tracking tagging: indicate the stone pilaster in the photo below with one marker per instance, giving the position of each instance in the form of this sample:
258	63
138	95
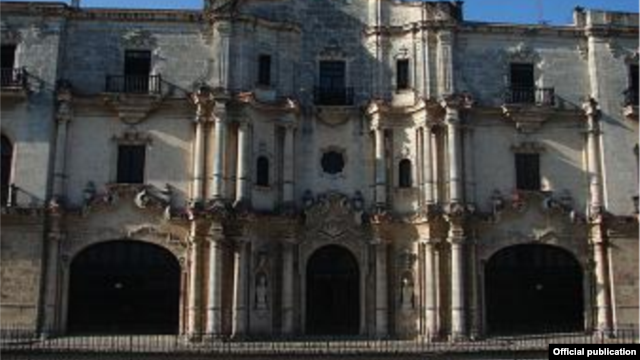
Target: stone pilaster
381	300
204	101
194	296
288	166
456	240
380	168
214	295
51	320
431	289
243	176
427	159
445	62
63	118
288	306
240	298
220	135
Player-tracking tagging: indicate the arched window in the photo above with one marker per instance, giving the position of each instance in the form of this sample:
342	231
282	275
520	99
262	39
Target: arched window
404	173
7	156
262	171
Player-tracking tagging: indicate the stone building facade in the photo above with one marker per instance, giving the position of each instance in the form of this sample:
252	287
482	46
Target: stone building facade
340	167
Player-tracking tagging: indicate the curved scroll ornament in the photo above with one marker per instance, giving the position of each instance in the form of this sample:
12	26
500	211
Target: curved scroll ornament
334	215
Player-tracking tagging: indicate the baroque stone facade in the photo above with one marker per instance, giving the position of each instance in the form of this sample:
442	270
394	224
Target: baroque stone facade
344	167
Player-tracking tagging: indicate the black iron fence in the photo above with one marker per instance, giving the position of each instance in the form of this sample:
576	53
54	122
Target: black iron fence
134	84
13	78
530	95
17	341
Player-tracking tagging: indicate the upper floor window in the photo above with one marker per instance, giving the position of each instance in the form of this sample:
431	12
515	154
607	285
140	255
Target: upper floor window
7	64
7	158
131	163
404	174
137	67
402	74
264	70
522	83
262	171
332	88
632	92
528	171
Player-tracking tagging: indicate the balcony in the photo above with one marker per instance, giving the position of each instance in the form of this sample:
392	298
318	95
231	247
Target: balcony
134	84
14	82
528	108
338	96
529	96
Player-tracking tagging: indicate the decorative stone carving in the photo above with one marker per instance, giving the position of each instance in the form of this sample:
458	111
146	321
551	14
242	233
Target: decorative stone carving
406	292
523	53
133	136
333	51
152	197
138	39
9	35
528	147
333	217
204	100
63	97
262	291
497	204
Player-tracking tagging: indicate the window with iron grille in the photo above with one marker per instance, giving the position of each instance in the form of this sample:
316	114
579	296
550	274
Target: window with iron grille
528	172
137	67
131	162
7	63
402	74
404	173
262	171
264	70
522	83
7	156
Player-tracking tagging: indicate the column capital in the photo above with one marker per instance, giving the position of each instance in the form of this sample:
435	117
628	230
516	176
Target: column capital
204	101
591	109
456	102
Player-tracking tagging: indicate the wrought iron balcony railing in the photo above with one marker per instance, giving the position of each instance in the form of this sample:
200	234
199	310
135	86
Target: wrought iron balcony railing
530	95
335	96
13	78
134	84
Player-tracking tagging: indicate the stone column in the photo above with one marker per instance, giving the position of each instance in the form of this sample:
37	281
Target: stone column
431	290
194	296
241	273
287	289
382	313
217	188
456	240
427	148
380	168
243	174
288	167
452	119
63	117
203	99
474	303
214	298
604	311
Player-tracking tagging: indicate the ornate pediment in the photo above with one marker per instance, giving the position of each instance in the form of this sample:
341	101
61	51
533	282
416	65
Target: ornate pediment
138	39
333	215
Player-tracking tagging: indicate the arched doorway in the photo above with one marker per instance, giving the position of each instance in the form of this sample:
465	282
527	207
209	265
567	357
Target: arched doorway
533	288
333	292
124	286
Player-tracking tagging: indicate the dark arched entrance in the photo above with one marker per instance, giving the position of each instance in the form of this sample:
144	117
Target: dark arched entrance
533	288
124	287
333	292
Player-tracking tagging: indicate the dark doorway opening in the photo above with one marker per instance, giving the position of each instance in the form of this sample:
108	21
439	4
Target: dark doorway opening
137	67
533	289
333	292
124	287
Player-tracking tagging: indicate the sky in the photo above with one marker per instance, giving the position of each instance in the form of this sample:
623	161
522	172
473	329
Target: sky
513	11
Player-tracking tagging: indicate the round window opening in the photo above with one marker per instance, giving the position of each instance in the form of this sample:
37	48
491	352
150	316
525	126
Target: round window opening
332	162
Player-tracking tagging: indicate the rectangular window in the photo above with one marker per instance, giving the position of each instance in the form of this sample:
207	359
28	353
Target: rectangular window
402	74
528	172
137	67
264	70
633	84
522	83
332	80
8	56
131	160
